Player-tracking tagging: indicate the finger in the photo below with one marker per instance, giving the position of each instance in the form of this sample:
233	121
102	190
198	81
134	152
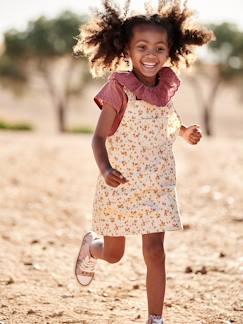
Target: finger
112	182
118	176
194	142
196	131
195	138
196	134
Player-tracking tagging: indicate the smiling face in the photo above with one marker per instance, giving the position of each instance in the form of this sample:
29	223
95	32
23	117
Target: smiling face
148	50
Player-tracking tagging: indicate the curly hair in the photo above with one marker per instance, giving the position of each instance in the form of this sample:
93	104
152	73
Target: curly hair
104	38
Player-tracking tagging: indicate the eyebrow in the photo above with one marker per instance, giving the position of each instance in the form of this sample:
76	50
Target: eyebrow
143	40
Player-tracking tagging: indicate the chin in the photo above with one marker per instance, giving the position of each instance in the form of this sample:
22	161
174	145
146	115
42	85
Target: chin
149	73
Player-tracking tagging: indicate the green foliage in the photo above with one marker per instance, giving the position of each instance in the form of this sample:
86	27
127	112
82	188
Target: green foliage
83	129
14	42
228	49
19	126
9	68
37	50
44	37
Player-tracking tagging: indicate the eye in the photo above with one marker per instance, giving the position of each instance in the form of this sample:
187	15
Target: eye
141	47
160	49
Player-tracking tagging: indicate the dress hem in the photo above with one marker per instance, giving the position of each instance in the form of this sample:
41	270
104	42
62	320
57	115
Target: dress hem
140	233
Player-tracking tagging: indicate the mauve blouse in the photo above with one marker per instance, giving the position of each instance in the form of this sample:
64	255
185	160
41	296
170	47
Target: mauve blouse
112	92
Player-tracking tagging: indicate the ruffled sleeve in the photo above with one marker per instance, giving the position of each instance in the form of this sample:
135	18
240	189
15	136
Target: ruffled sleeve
113	94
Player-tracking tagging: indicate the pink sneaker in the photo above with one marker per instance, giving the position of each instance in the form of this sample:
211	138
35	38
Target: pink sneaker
155	319
85	264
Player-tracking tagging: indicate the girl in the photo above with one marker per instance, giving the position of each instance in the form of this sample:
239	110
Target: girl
132	143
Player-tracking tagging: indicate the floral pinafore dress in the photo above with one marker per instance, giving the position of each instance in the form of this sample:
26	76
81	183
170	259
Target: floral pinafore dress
141	149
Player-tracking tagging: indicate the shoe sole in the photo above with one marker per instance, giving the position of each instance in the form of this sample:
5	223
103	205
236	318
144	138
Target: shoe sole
75	264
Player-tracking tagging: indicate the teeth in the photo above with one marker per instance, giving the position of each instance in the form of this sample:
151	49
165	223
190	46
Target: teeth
149	65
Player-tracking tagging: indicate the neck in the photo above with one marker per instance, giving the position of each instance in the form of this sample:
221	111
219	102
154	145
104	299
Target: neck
148	81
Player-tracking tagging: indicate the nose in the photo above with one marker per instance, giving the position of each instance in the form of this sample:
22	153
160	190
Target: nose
151	52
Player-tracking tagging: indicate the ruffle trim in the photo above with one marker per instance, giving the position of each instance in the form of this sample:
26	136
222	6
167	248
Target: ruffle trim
159	95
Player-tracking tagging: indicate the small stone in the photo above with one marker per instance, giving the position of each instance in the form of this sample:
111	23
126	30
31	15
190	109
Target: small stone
135	286
30	311
188	269
5	237
222	254
90	291
237	219
168	304
28	263
34	241
238	307
186	226
67	296
10	281
57	314
51	242
203	270
37	266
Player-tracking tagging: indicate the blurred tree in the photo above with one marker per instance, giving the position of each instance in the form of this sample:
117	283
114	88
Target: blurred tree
44	48
227	54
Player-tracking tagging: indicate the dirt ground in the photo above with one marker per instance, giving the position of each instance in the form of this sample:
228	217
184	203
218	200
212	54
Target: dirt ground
47	184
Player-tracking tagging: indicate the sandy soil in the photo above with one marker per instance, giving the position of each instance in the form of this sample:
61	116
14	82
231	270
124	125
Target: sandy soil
47	186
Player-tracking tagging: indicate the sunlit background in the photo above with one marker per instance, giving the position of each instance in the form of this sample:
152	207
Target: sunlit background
79	111
209	11
48	175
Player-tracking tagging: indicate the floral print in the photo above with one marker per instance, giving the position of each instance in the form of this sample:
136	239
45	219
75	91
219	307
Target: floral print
141	149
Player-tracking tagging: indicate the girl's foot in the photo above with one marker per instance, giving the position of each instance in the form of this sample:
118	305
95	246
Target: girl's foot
155	319
86	263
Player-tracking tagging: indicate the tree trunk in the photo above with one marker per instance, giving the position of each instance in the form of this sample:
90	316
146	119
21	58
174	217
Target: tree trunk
61	117
206	105
60	101
207	120
208	108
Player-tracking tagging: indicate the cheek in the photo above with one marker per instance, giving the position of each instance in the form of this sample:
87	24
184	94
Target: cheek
164	55
136	56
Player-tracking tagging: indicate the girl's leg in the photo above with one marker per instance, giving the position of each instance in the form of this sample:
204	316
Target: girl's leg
109	248
154	257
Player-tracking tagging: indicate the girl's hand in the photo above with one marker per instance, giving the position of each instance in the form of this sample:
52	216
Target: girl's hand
192	134
113	177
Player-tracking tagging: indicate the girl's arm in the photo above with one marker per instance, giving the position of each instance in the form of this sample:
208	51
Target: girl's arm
113	177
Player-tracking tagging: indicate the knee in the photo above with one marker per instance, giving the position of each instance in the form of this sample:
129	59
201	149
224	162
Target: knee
154	253
113	258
